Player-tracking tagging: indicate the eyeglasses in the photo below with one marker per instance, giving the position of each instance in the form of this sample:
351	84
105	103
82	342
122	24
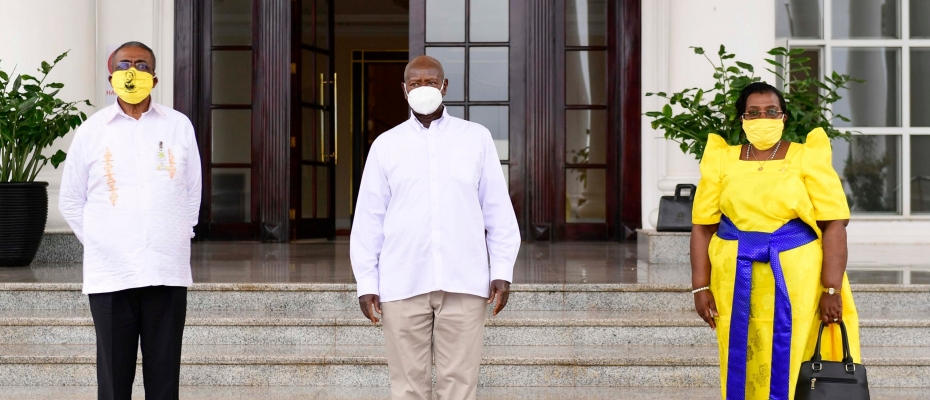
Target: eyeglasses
771	113
140	65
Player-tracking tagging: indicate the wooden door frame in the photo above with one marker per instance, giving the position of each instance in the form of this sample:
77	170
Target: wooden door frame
623	128
517	60
357	124
537	117
300	227
271	57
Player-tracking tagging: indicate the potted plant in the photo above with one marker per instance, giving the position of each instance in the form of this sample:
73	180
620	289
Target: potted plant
32	117
703	112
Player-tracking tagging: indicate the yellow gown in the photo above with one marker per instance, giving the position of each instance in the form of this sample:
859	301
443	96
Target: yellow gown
804	185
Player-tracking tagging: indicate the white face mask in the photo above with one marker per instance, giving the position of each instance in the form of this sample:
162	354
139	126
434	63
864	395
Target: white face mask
424	99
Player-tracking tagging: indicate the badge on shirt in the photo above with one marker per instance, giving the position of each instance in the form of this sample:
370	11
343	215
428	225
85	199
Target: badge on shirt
165	161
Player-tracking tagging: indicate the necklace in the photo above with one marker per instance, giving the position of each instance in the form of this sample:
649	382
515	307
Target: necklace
761	163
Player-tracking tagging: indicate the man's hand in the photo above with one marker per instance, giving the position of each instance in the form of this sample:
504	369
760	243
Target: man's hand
370	304
500	291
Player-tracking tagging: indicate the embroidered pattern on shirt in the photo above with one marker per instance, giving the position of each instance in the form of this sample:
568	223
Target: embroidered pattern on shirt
111	181
172	166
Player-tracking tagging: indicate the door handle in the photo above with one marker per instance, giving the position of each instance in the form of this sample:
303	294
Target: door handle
335	154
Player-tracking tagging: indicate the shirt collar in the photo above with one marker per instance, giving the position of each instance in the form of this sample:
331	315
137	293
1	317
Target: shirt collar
115	110
438	124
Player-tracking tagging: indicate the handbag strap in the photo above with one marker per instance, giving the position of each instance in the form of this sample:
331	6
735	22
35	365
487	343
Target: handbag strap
681	186
847	355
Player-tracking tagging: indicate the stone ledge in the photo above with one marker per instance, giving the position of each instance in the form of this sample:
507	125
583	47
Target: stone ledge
663	247
60	247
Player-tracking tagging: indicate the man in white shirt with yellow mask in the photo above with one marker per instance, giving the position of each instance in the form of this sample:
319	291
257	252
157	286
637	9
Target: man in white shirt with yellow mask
434	240
131	192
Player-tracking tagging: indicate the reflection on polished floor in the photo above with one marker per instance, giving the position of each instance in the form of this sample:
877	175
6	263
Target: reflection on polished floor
558	263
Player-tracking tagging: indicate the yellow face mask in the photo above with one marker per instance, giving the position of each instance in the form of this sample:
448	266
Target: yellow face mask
763	133
132	86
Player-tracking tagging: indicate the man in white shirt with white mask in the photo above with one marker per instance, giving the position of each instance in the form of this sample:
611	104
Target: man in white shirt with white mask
434	240
131	193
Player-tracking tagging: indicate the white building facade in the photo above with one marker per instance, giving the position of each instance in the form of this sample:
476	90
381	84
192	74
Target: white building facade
563	86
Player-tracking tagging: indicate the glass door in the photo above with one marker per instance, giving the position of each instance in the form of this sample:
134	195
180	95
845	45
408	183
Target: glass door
230	173
314	141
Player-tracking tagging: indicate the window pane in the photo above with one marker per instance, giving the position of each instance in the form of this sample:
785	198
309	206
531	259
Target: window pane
585	23
489	20
920	174
309	78
322	192
496	119
322	27
232	136
231	195
307	185
506	169
445	20
488	74
920	86
869	168
814	64
798	19
585	77
314	29
453	63
232	22
586	136
308	133
456	111
232	77
876	102
920	13
585	191
864	19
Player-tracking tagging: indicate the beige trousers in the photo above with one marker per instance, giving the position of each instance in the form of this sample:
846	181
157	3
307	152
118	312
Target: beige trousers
440	326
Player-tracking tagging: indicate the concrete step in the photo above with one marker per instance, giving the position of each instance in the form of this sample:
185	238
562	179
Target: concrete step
502	366
381	393
337	297
510	328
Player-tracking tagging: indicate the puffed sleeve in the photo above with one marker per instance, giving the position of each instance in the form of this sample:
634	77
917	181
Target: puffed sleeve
822	182
706	209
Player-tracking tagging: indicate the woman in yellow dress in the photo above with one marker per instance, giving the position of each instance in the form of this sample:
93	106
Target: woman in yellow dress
768	251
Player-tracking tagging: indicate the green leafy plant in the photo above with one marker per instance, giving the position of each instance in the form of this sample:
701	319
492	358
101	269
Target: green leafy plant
703	112
32	117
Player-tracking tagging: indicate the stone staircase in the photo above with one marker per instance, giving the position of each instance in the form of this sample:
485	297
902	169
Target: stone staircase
553	341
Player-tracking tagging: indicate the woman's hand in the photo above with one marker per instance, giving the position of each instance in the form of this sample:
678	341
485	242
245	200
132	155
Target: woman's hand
706	307
831	308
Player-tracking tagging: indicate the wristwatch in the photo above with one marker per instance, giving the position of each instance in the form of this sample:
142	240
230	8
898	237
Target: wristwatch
831	291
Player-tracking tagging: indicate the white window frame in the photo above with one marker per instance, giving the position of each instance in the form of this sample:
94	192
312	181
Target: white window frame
825	46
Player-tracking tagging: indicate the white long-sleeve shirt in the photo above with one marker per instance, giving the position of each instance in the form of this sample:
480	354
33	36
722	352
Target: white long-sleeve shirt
426	199
131	193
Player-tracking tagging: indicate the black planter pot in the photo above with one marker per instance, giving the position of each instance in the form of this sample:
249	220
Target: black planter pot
23	214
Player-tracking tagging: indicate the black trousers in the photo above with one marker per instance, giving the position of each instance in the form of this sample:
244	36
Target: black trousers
154	313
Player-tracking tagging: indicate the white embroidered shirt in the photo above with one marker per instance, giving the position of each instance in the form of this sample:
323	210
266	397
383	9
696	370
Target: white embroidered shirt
131	193
426	199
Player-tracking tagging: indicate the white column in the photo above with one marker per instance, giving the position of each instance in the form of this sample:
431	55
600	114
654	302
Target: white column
147	21
746	28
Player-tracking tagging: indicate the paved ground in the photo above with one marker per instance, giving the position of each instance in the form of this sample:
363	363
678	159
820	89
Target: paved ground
328	262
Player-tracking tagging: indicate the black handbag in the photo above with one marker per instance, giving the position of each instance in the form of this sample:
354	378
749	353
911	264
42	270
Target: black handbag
831	380
675	211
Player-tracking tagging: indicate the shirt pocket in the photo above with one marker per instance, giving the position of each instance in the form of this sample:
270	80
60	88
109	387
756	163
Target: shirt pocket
465	167
169	162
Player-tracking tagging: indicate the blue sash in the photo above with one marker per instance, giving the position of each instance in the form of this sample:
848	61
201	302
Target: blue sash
765	248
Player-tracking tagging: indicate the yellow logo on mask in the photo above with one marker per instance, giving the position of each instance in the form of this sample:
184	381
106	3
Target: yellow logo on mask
132	86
